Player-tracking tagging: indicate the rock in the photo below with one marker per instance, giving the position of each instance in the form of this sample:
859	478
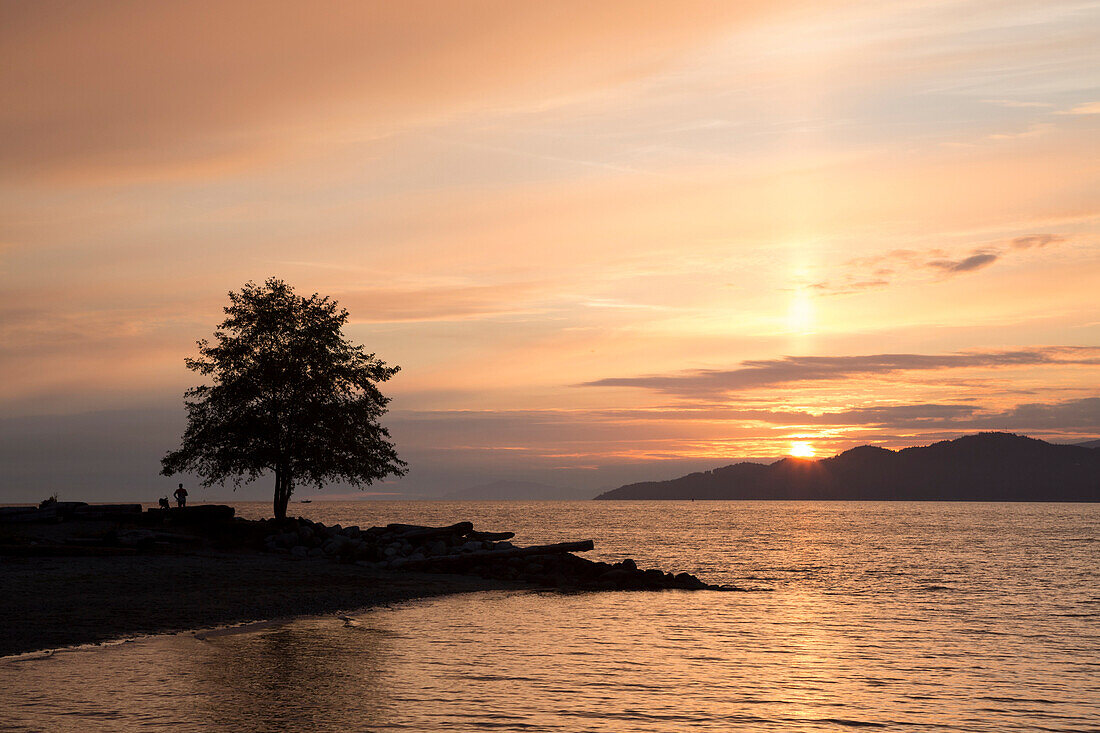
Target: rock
390	552
298	552
134	537
32	514
416	556
686	580
305	534
101	511
471	546
437	547
628	564
316	552
617	576
200	515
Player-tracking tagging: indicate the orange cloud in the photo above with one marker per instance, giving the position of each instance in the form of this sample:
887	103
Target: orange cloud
126	86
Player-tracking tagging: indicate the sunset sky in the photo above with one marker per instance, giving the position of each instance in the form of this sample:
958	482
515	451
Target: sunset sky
605	241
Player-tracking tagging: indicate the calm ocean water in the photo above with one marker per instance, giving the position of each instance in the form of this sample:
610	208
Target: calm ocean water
895	616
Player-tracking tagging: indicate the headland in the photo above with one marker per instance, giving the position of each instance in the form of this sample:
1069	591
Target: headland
77	573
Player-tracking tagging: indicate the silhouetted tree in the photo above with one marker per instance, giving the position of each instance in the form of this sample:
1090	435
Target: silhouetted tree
290	395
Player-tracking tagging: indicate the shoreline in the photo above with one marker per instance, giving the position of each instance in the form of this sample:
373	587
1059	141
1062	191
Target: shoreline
54	603
81	574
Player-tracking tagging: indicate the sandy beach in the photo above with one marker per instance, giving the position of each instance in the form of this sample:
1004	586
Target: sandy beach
52	602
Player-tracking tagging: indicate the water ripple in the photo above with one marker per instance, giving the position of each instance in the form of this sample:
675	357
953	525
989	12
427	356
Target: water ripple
933	617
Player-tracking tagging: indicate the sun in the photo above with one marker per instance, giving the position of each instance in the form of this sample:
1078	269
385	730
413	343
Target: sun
801	449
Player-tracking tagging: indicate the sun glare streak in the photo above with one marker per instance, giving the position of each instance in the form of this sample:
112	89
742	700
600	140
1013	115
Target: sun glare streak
800	313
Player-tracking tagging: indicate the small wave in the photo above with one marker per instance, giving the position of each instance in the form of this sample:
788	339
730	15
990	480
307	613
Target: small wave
508	723
1039	700
851	723
493	678
639	715
246	628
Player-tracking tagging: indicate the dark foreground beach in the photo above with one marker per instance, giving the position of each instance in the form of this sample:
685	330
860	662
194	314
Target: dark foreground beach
51	602
75	573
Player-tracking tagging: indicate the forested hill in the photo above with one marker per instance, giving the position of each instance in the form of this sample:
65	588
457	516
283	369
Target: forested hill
982	467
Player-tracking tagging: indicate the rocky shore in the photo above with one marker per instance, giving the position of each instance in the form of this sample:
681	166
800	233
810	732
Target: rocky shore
459	548
77	574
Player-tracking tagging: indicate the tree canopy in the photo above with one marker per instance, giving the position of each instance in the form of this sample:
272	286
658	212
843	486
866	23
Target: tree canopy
289	395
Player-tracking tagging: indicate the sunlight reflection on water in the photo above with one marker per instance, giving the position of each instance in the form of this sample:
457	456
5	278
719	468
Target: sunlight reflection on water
907	616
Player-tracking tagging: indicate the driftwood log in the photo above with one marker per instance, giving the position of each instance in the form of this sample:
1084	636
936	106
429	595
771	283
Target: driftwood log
470	558
490	536
414	532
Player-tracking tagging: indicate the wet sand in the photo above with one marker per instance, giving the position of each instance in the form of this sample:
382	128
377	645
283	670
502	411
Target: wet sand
51	602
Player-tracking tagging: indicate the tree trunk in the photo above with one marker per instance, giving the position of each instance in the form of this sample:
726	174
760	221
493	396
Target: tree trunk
278	507
284	487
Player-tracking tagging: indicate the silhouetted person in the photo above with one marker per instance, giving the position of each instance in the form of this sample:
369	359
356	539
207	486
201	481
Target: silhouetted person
181	496
163	501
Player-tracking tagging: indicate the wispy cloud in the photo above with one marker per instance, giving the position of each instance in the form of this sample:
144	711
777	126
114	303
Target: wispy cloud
1091	108
1017	103
972	262
1075	414
866	273
450	302
983	257
1036	240
795	369
1033	130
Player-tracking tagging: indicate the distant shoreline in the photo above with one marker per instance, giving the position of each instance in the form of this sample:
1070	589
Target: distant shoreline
993	467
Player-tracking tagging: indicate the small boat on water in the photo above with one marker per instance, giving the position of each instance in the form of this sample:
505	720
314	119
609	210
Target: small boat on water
305	501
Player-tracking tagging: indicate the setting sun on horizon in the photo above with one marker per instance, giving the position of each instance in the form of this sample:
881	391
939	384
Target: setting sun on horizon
801	449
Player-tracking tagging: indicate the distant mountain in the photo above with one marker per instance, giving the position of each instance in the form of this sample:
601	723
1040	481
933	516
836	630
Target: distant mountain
1089	444
983	467
529	490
